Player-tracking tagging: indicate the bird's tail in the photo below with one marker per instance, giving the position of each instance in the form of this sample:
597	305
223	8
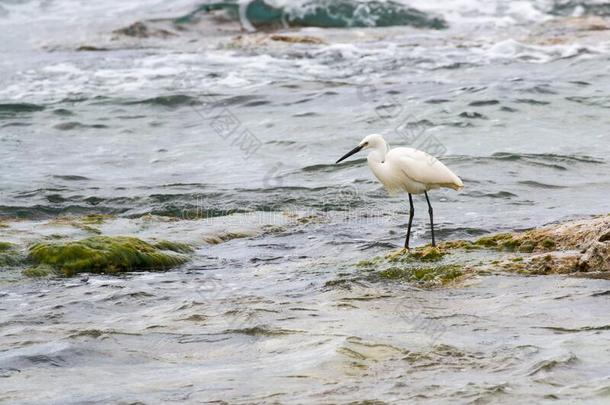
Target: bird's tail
457	184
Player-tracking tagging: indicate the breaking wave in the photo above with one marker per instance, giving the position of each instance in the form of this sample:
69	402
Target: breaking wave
262	14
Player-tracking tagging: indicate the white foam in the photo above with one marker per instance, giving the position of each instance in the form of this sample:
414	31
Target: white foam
456	12
513	49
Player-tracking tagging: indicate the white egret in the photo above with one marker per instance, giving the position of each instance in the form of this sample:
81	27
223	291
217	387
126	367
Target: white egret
406	169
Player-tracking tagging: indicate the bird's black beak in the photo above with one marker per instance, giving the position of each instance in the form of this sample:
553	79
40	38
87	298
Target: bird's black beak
350	153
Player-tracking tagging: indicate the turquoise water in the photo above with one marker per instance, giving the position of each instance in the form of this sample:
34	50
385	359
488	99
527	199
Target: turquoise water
513	97
323	13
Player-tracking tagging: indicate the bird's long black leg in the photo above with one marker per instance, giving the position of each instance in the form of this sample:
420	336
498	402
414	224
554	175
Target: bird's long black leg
411	213
431	217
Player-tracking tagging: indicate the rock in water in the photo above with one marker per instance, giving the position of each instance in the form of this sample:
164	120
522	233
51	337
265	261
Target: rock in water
105	254
580	248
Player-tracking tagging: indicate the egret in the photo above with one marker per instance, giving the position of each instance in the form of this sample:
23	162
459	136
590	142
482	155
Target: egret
406	169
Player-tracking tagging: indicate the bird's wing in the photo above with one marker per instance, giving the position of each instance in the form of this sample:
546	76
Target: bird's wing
423	168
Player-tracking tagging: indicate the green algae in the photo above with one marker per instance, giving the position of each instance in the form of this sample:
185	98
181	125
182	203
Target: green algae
548	244
509	244
394	273
43	270
549	250
459	244
527	246
428	254
493	240
95	219
423	254
104	254
4	246
435	274
177	247
499	241
225	237
525	243
543	264
10	255
90	229
370	262
413	266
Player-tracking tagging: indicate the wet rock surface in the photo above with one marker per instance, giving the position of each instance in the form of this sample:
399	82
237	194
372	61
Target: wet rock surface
142	30
104	254
68	246
577	247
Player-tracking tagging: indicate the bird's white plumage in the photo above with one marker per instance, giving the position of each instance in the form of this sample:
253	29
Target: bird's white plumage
407	169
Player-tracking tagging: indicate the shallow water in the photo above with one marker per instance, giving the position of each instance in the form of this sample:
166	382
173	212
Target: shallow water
514	101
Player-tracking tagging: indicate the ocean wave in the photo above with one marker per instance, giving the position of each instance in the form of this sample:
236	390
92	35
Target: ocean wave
256	14
10	110
580	8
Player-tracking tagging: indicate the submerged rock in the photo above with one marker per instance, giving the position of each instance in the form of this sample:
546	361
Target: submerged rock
91	48
43	270
141	30
297	39
9	255
104	254
174	246
415	266
430	275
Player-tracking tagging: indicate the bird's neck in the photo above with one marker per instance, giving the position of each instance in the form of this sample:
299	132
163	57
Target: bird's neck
377	155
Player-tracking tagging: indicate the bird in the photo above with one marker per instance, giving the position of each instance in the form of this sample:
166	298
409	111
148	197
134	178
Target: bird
407	170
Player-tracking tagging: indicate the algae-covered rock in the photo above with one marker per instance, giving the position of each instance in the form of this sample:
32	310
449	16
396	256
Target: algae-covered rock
370	262
95	219
596	257
43	270
297	39
226	236
577	248
571	235
415	266
428	254
430	275
568	248
545	264
141	30
423	253
174	246
4	246
498	240
10	255
104	254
